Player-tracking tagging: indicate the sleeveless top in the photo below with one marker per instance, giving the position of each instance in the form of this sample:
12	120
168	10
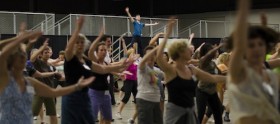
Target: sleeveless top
209	87
253	97
181	92
74	69
15	106
100	83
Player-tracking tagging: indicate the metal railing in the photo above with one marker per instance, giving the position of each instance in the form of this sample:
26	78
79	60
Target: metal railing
10	21
114	25
214	29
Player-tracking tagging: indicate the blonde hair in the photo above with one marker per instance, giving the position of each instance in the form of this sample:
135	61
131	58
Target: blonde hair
130	51
86	41
176	47
223	58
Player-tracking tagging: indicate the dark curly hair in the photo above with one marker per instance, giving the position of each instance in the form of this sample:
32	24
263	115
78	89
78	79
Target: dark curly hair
270	37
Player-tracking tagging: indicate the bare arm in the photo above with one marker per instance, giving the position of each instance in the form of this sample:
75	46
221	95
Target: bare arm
153	24
146	58
124	47
6	52
155	38
164	66
274	63
6	41
93	46
206	77
39	51
129	15
46	91
209	55
38	74
236	65
69	51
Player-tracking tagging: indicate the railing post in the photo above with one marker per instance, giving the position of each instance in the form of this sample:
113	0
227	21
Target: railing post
59	30
128	25
46	24
200	28
151	28
42	26
70	25
225	29
177	28
206	29
104	25
119	49
14	23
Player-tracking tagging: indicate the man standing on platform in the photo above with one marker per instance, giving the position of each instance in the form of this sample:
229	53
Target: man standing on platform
138	27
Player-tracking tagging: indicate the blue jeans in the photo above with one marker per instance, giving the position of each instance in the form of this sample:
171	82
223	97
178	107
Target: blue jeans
76	109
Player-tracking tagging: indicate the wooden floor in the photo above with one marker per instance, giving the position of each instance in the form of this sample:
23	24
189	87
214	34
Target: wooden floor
126	114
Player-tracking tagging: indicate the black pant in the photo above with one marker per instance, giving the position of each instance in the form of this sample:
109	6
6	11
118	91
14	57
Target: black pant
111	89
213	102
137	39
129	86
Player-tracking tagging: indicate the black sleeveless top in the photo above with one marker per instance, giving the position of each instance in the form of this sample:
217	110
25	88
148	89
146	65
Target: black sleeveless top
100	83
74	69
181	92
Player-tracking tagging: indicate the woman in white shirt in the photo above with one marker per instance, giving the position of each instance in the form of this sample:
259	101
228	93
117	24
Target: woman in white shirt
254	90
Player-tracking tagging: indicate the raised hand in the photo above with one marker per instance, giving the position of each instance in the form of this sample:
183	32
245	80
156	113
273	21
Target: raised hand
127	9
263	19
80	22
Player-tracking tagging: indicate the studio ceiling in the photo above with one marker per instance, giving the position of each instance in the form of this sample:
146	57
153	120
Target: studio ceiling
116	7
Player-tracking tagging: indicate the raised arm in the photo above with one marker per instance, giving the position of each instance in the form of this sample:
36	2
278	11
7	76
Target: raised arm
209	55
69	51
124	47
191	38
146	58
93	46
164	66
5	42
236	64
6	52
39	51
155	38
152	24
129	15
43	90
207	77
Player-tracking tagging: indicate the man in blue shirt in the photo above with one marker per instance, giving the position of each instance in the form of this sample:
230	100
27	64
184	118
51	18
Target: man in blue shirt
138	27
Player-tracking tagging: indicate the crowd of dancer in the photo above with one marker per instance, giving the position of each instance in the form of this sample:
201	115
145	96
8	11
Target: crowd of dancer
195	79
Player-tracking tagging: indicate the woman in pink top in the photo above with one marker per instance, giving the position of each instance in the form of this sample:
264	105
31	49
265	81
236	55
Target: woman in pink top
130	83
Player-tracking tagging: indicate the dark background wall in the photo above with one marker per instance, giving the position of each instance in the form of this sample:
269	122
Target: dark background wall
116	7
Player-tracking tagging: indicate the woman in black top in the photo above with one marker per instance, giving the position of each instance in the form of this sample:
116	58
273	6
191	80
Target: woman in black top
76	108
179	81
206	92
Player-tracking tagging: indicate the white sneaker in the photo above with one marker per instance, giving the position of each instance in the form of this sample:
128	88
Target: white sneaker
130	121
57	115
35	118
118	115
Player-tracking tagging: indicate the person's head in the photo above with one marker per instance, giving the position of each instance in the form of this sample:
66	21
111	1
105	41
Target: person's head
17	60
46	53
61	55
138	17
223	58
152	59
205	49
166	56
107	40
130	51
260	41
82	44
179	50
101	50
